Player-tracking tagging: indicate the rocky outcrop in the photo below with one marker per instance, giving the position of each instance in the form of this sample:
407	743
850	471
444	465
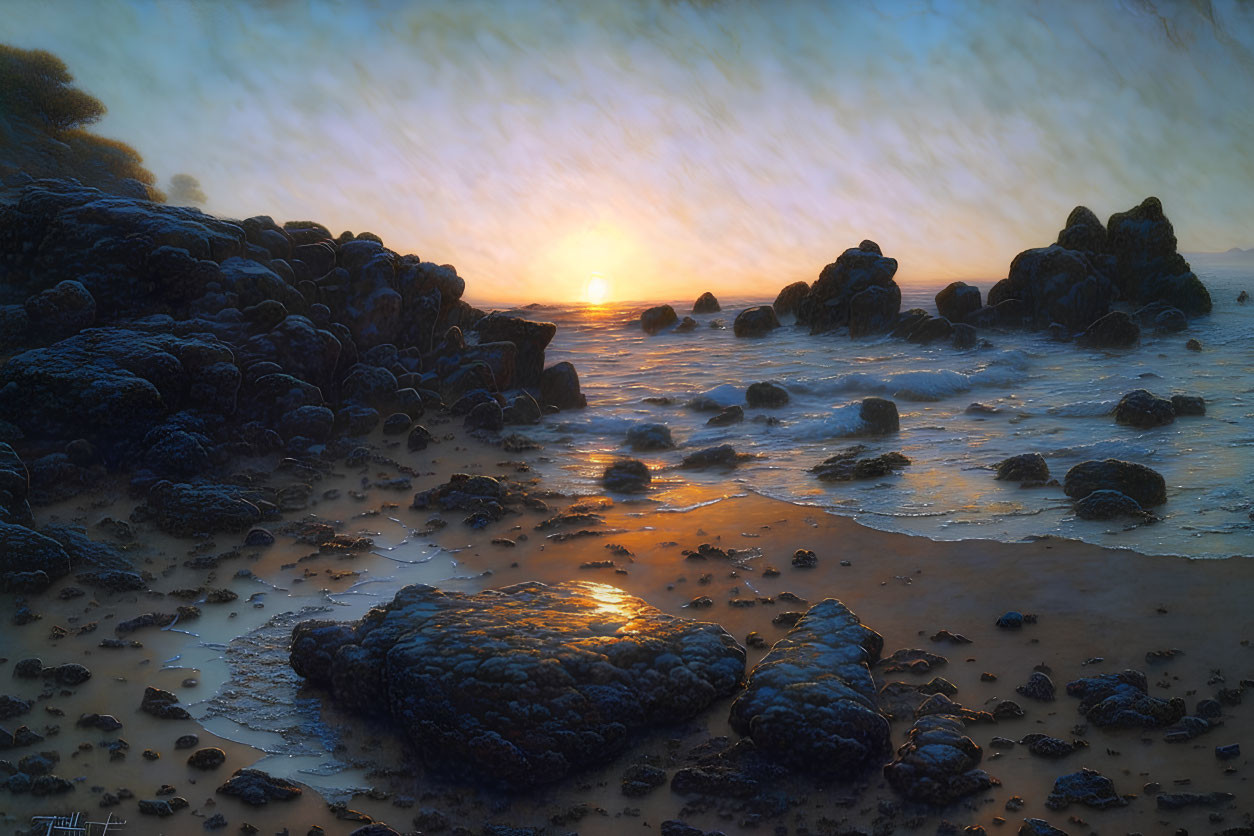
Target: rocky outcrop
879	416
530	338
1109	505
755	322
958	300
1114	330
1057	285
706	303
938	762
1142	409
1146	264
1143	484
184	509
521	685
847	466
874	310
1026	467
766	394
627	476
1122	700
827	303
29	561
559	387
656	319
811	703
789	299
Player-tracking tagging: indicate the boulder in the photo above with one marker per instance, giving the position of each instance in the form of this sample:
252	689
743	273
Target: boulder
724	455
811	703
827	303
1188	404
14	487
1114	330
481	496
755	322
1026	467
60	311
938	762
522	685
958	300
300	348
873	310
650	437
1083	232
788	300
29	561
963	336
727	416
879	416
1122	700
559	387
1147	266
530	337
930	330
184	509
257	788
1057	285
655	319
627	476
766	394
686	325
1087	787
486	416
1142	409
1143	484
706	303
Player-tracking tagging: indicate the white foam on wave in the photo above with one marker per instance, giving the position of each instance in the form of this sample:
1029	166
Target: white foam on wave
841	422
726	394
1083	409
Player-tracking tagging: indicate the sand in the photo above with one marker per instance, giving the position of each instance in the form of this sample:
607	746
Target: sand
1098	610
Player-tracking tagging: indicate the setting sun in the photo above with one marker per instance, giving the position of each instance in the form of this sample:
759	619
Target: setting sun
597	290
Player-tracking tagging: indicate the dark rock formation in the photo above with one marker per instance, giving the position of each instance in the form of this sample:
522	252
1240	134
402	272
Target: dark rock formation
1057	285
938	763
185	509
29	561
1038	687
559	387
1114	330
727	416
724	455
655	319
958	300
879	416
1188	404
482	497
827	304
257	788
874	310
788	300
1147	266
846	466
627	476
755	322
520	685
1026	467
1122	700
706	303
1141	483
811	702
650	437
1087	787
766	394
1109	505
1141	408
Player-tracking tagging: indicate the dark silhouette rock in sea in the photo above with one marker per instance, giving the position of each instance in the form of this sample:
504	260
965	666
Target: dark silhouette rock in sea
1147	266
938	763
958	300
650	437
1026	467
879	416
706	303
522	685
755	322
826	305
627	476
1141	408
656	319
1057	285
559	387
727	416
874	310
790	297
766	394
1114	330
846	466
1143	484
811	702
1188	404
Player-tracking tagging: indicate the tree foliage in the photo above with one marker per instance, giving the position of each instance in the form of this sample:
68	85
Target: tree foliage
185	190
36	84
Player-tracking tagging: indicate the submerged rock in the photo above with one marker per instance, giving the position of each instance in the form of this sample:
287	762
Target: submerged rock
1122	700
650	437
627	476
938	762
1027	467
724	455
1109	505
520	685
811	702
766	394
846	466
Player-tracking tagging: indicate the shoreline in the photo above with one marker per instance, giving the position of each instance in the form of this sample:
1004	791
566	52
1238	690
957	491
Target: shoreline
903	586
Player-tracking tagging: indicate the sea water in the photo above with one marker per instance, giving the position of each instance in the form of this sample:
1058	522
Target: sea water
1038	396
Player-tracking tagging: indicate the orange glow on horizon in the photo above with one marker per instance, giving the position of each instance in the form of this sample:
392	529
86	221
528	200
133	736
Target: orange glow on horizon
597	290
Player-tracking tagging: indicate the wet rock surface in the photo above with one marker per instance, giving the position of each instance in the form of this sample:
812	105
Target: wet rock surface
1137	481
520	685
1122	700
811	702
938	762
257	788
1087	787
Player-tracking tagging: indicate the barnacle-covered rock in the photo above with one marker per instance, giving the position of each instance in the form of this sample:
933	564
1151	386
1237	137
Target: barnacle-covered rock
520	685
937	763
811	702
1122	700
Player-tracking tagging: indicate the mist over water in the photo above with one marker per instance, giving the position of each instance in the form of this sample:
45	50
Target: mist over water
733	146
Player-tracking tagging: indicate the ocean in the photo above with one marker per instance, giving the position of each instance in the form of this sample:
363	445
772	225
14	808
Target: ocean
1042	396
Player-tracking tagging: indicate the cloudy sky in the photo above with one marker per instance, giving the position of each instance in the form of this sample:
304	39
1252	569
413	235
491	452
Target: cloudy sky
676	146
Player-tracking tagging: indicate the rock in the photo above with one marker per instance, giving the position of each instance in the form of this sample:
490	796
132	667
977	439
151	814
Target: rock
1026	467
1188	405
1055	284
655	319
1142	409
524	409
706	303
845	466
641	779
208	758
481	496
1147	266
937	763
1048	747
790	297
521	685
183	509
1087	787
256	788
1227	753
1243	297
766	394
650	437
1011	621
1083	232
29	561
874	310
60	311
686	325
1193	345
1121	700
1181	800
11	706
258	538
1039	827
559	387
879	416
530	337
964	336
419	438
811	702
627	476
1141	483
486	416
724	455
1109	505
827	303
957	300
186	741
14	488
755	322
1114	330
1038	687
727	416
163	705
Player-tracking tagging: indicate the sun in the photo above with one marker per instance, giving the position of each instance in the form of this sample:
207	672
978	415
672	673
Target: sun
597	290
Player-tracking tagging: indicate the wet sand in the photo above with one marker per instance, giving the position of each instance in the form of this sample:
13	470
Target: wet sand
1090	602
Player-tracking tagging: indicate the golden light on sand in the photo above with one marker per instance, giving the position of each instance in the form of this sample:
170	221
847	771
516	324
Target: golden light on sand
597	290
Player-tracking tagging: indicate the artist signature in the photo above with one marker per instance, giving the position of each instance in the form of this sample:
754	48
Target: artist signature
73	825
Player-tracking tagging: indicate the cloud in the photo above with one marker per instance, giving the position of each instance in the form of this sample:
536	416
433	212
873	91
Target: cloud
679	146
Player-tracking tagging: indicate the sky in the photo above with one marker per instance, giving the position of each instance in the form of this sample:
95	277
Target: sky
676	146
